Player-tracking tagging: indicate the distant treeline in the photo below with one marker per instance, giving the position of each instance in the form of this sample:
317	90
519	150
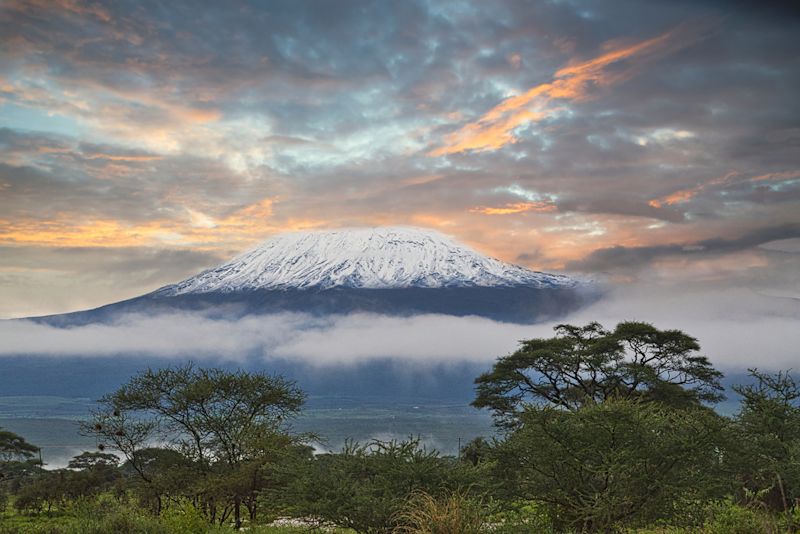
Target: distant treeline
599	431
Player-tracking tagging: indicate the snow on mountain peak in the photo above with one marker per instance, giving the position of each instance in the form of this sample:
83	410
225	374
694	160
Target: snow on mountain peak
373	258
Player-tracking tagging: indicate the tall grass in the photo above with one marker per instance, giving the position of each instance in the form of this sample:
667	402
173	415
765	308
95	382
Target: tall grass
455	513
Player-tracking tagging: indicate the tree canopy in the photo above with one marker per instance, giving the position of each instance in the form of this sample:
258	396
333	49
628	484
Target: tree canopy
13	447
584	365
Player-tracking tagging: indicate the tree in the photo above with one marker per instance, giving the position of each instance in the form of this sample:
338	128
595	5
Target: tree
766	457
585	365
623	461
93	460
14	448
215	419
17	457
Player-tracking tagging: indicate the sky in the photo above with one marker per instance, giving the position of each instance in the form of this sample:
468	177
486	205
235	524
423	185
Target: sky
648	143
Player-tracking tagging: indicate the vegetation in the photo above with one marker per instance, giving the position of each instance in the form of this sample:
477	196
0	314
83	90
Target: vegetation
600	431
585	365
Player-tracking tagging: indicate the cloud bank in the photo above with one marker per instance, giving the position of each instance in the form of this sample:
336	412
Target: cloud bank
737	328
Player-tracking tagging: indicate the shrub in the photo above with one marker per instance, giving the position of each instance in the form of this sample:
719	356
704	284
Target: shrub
728	518
455	513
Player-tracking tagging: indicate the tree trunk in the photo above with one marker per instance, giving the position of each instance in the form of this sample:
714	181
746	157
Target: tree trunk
237	513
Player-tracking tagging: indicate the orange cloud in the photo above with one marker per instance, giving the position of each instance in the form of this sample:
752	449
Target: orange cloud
120	157
94	233
71	6
686	194
247	224
785	175
573	82
516	207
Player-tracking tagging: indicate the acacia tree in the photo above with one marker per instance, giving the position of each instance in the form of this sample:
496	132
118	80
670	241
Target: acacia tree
585	365
17	457
14	448
17	461
766	457
217	420
606	428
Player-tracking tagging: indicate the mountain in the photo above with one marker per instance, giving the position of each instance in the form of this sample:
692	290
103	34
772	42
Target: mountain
391	271
388	270
367	258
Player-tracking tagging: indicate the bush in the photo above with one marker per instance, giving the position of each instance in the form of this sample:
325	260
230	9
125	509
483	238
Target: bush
365	487
728	518
455	513
619	463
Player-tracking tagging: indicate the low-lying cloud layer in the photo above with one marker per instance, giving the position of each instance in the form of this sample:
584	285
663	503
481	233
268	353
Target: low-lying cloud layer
737	328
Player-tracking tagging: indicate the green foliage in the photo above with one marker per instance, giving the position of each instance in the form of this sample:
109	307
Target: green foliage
521	517
588	365
17	459
93	460
366	486
728	518
476	451
766	458
605	464
223	427
605	432
14	448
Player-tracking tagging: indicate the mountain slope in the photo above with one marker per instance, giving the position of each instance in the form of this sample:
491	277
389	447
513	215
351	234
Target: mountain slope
367	258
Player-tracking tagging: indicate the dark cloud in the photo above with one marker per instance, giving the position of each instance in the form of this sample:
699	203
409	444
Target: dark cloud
621	258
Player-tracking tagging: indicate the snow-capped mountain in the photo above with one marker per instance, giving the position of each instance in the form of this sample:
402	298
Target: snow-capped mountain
365	258
382	271
393	271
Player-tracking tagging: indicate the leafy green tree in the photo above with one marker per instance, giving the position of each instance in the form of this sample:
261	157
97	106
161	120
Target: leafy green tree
623	461
585	365
767	437
217	420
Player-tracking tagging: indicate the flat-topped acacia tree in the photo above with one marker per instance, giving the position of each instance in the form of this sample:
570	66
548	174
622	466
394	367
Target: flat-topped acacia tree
606	428
14	448
584	365
222	425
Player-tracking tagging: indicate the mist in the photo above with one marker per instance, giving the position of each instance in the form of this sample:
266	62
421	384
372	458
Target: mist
737	328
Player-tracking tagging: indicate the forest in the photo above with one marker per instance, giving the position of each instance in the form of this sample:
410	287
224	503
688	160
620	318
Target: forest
598	430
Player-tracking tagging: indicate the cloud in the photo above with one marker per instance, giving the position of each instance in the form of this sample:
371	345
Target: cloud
733	178
131	126
736	326
515	207
620	258
347	339
574	82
